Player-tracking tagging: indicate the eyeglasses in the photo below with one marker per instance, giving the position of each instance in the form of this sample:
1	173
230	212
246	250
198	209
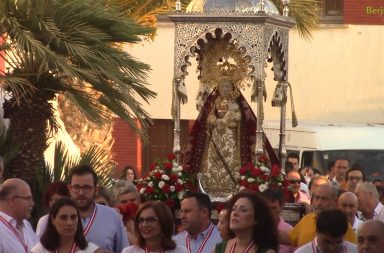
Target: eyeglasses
77	188
27	198
148	220
295	181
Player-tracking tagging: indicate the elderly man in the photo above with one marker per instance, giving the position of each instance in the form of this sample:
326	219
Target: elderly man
354	176
348	205
16	204
200	235
331	226
127	194
370	237
368	202
324	198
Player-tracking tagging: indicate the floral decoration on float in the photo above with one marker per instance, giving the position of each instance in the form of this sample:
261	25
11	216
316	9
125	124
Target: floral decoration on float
167	181
261	175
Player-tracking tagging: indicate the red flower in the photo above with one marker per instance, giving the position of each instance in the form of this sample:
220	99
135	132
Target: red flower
168	166
243	170
286	183
173	178
171	157
265	177
166	188
179	187
254	187
255	172
275	170
158	175
244	183
169	202
139	187
149	190
152	166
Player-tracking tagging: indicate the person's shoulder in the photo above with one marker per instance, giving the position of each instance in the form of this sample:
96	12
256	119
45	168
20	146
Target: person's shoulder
179	249
92	247
180	235
106	210
351	247
38	248
132	249
304	248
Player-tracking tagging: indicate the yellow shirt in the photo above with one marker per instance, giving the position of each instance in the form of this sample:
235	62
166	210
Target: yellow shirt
305	231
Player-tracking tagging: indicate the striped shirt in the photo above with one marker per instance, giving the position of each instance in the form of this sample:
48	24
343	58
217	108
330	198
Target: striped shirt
211	239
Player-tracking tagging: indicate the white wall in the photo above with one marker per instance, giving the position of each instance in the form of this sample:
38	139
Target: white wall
338	75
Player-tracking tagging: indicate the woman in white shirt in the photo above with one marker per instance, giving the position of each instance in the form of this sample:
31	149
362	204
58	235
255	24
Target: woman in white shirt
154	226
64	231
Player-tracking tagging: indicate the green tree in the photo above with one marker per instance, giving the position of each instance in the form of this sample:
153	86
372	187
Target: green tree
69	47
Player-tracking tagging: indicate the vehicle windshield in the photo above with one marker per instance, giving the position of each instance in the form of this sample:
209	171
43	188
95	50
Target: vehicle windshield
371	160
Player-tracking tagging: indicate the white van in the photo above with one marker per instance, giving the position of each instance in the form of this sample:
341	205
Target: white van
318	143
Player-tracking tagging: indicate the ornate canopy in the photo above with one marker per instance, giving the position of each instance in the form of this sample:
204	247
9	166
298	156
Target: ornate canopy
246	33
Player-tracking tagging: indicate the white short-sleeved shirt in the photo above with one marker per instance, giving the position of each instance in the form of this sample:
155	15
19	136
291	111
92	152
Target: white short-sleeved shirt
136	249
309	247
9	242
40	249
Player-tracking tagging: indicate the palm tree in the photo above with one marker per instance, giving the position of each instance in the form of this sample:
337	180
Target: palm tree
66	47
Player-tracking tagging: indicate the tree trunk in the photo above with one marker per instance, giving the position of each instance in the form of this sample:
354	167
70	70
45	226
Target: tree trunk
28	130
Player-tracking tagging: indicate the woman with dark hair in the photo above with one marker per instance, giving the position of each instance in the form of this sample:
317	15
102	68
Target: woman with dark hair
56	190
253	224
64	232
129	174
154	226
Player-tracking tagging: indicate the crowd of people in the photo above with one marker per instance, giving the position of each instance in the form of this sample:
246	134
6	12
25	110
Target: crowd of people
343	214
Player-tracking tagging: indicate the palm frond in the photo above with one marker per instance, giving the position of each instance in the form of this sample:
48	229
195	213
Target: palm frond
304	12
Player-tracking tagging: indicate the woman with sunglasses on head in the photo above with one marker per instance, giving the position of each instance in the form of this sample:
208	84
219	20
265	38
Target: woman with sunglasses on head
154	226
64	232
253	224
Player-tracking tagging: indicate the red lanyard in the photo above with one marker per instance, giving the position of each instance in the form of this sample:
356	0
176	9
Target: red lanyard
188	240
147	250
89	225
15	232
246	249
314	247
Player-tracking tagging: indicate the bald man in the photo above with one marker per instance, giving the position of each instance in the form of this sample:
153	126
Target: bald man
370	237
16	204
324	198
348	205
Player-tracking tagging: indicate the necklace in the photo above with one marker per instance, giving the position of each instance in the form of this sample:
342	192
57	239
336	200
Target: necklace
246	249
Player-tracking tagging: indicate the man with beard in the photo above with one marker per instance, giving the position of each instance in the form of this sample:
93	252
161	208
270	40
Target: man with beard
16	204
101	224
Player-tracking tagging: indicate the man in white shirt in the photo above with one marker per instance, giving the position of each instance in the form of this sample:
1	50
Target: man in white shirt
200	235
16	203
341	167
331	226
368	202
370	237
348	205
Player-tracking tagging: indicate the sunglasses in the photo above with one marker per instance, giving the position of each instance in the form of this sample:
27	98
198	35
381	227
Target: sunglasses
295	181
